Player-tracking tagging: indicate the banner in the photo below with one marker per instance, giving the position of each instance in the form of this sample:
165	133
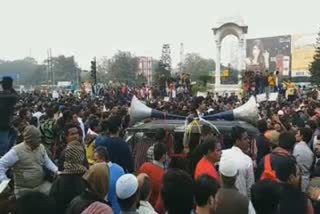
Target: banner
261	97
64	83
202	94
55	94
270	53
273	97
223	73
303	49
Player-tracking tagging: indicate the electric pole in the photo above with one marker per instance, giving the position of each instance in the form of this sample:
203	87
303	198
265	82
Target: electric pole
166	57
181	57
94	74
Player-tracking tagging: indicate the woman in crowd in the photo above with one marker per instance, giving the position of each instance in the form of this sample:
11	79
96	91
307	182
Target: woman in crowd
69	183
92	198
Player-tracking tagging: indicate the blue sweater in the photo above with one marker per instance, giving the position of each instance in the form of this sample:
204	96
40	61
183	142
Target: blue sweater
115	173
118	150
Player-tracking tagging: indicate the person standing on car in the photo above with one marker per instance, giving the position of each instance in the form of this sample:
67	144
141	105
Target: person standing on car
8	99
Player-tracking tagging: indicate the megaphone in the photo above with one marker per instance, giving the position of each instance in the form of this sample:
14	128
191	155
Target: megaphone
247	112
139	111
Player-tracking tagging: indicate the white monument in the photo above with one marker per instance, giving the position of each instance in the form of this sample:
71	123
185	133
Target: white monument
224	27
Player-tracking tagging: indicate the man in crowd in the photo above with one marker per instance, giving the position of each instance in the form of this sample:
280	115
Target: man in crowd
47	131
205	194
127	190
71	136
304	155
212	154
200	107
90	139
118	149
177	192
155	170
8	99
265	196
143	143
271	82
278	155
27	161
162	136
292	199
38	114
243	163
145	192
78	113
101	154
229	199
263	145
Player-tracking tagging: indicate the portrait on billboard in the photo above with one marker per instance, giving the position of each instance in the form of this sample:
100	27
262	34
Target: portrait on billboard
270	53
258	57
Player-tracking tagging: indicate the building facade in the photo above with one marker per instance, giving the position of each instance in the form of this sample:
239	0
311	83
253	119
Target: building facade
145	68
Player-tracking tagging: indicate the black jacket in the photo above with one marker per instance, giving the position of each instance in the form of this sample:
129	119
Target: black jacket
292	200
119	151
263	147
8	101
65	188
278	155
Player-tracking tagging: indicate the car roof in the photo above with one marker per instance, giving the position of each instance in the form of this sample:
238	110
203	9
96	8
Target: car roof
178	126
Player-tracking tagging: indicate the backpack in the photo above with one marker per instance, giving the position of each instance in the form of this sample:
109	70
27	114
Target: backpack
268	173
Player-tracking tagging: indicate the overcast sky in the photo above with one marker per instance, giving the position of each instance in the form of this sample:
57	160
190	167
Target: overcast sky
88	28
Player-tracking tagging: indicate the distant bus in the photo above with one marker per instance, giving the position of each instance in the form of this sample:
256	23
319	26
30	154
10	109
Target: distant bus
302	81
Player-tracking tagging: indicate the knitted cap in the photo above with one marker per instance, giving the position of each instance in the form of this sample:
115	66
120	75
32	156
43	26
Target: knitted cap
73	160
32	135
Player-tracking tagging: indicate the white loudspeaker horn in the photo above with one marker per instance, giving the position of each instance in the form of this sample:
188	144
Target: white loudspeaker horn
247	112
139	111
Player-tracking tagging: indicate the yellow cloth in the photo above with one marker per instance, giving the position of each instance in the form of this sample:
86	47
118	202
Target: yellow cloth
89	152
290	88
196	123
271	81
284	85
188	132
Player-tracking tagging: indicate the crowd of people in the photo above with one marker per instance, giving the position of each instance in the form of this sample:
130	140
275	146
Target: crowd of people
69	155
268	82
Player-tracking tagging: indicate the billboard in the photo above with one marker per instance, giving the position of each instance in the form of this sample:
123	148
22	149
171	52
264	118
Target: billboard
303	49
269	53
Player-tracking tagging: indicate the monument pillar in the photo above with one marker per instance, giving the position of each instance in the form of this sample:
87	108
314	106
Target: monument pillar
218	67
229	26
241	55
